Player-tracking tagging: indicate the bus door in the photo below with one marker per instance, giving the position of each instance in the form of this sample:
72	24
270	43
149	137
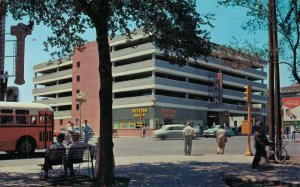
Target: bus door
46	130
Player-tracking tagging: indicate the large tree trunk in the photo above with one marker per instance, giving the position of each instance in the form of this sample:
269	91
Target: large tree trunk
106	172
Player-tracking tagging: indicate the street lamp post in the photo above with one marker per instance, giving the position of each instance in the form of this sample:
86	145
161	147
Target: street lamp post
80	100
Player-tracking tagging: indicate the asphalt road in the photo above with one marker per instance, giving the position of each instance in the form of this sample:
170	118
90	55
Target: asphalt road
150	146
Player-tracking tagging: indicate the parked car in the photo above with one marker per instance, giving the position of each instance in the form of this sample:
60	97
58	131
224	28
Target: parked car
171	131
61	130
77	130
211	132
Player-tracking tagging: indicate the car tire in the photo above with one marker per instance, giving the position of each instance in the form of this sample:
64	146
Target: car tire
163	137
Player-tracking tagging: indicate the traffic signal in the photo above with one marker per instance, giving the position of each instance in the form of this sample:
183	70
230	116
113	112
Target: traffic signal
248	93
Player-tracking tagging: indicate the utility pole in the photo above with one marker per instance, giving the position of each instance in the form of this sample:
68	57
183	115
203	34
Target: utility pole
274	77
271	75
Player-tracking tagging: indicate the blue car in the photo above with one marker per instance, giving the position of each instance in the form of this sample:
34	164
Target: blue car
211	132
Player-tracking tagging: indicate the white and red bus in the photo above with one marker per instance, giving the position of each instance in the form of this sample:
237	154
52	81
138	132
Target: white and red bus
25	127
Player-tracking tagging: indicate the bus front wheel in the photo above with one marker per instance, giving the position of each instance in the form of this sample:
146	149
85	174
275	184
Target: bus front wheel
26	147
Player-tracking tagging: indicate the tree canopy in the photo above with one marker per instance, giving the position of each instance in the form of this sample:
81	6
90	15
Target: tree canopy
174	26
288	26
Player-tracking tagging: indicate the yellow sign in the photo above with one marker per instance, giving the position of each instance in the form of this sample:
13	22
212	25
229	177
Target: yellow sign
246	127
139	112
139	124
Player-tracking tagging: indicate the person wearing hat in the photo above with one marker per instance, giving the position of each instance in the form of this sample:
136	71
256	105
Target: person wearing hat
56	145
75	144
261	141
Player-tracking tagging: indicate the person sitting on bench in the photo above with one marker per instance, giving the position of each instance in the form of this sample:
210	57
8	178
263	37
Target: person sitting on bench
56	145
68	162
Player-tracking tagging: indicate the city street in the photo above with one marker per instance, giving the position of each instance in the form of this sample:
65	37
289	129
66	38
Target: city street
136	146
152	162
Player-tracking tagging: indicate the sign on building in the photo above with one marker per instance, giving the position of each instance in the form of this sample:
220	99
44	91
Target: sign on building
218	89
291	109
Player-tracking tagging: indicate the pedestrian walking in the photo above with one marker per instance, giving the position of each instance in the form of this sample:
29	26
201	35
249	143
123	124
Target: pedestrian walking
261	141
188	133
287	131
69	132
221	139
144	129
87	134
293	132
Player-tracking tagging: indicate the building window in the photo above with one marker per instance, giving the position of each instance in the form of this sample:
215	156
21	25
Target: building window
61	122
78	64
78	78
77	107
77	91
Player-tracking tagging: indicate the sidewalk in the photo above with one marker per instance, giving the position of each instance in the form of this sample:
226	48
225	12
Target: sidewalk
171	170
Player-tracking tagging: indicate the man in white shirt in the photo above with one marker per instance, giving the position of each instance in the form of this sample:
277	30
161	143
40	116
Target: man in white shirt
87	134
188	133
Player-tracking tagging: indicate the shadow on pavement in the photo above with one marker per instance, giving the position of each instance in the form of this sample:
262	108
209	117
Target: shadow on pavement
183	174
7	156
203	174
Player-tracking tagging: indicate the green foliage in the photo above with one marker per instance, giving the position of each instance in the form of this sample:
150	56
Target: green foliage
173	24
288	24
245	53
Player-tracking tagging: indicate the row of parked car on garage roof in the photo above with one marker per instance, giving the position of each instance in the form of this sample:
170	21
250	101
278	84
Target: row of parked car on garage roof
175	131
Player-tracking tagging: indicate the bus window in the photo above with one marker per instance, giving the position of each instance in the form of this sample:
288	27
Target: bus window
6	120
21	120
22	111
7	111
42	119
49	118
33	120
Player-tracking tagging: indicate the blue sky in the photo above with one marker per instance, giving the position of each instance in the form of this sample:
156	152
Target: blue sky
227	24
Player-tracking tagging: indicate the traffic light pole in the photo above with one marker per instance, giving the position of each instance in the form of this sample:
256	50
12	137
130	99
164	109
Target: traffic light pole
248	99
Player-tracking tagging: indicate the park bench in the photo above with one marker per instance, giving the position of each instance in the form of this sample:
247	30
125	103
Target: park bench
75	155
55	157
